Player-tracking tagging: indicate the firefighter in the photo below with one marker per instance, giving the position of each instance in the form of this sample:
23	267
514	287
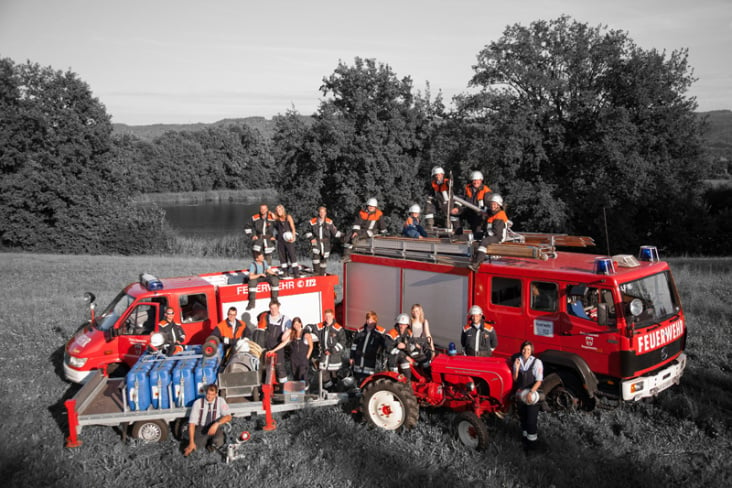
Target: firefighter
438	199
397	344
368	222
528	374
478	337
322	233
496	228
260	229
272	334
231	330
284	224
367	345
476	193
172	333
412	226
260	271
331	340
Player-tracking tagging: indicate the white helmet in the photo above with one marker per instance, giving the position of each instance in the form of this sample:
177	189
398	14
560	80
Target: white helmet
157	339
528	397
476	175
496	198
402	318
476	310
287	236
415	209
437	171
372	202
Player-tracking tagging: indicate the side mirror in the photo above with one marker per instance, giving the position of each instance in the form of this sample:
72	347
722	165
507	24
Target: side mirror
89	298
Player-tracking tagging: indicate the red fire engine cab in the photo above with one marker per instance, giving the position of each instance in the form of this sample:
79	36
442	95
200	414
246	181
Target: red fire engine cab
603	326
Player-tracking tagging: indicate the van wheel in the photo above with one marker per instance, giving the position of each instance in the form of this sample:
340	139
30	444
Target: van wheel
471	431
150	431
390	405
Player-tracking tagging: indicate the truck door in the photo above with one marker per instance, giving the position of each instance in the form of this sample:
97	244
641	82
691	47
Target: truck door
133	331
544	318
505	308
589	326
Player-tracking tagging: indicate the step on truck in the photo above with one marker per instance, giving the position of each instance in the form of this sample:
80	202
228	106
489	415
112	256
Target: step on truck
605	327
114	339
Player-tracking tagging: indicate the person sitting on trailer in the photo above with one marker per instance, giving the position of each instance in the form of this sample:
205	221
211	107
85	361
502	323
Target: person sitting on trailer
397	345
273	329
412	226
368	221
331	340
478	337
367	345
477	194
438	199
208	414
172	334
495	230
231	330
260	271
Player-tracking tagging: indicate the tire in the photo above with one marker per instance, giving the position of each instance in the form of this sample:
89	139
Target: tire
150	431
471	431
562	399
389	405
180	429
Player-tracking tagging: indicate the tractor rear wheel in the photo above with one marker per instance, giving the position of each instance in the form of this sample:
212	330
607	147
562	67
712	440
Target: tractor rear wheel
390	405
471	431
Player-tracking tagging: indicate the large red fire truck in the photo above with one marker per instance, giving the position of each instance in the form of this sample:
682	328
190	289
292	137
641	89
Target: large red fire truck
605	327
117	337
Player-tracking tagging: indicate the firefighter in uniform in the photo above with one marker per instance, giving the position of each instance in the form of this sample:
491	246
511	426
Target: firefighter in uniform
528	374
231	330
367	345
260	271
479	337
284	224
412	226
438	199
397	344
331	340
273	330
322	233
172	332
496	229
260	229
368	222
476	193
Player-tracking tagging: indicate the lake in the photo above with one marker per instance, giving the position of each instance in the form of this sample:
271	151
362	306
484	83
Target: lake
209	219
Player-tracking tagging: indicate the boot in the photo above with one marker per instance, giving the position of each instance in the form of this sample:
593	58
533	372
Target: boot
251	304
475	265
296	270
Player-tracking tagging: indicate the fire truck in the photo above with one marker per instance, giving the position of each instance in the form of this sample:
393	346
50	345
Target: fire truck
605	327
113	340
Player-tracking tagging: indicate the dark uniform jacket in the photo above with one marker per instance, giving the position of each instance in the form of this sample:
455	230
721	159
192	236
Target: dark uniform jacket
478	341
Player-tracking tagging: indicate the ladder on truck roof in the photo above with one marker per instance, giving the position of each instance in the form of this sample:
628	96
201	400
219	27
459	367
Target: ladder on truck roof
459	252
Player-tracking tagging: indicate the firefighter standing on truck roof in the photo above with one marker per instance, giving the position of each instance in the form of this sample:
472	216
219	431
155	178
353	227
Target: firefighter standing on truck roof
367	344
496	228
476	193
397	345
368	222
528	374
438	199
322	233
331	343
260	229
285	226
412	226
478	337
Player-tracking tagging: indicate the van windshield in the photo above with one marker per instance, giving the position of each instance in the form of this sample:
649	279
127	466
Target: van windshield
114	311
659	297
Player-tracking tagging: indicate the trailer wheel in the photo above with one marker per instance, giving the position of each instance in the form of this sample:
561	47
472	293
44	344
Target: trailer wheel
180	429
471	431
150	431
390	405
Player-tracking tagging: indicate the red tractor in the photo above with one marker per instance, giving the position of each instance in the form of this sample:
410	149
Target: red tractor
471	386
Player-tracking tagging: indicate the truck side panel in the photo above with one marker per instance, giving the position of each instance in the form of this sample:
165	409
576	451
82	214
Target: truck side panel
371	287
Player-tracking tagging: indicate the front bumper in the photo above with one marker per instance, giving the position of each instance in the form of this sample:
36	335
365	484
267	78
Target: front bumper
653	384
73	374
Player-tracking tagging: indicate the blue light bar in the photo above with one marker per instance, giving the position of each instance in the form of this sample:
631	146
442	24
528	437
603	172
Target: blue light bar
648	253
150	282
604	266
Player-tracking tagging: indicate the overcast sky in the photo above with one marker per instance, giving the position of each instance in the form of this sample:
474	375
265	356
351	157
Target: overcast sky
181	61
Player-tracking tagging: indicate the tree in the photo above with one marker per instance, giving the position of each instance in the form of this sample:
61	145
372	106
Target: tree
577	119
60	190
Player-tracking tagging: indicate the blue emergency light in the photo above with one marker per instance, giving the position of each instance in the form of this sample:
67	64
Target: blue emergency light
648	253
150	282
604	266
451	349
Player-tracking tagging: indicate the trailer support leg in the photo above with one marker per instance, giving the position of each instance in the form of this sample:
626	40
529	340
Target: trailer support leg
72	440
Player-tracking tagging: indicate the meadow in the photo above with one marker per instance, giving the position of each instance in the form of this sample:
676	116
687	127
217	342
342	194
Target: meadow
683	438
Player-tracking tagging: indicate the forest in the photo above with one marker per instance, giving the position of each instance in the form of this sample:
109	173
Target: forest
579	129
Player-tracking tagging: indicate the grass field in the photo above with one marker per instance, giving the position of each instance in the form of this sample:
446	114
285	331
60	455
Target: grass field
681	439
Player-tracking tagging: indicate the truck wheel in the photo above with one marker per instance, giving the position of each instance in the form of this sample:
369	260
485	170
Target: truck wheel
561	398
471	431
390	405
150	431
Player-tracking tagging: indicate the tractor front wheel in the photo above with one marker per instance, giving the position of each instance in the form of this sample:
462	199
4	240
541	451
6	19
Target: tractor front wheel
390	405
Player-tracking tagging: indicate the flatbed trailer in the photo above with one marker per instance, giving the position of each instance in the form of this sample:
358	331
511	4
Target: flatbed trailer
102	401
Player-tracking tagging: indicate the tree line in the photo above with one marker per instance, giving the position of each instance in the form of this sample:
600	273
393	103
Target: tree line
575	125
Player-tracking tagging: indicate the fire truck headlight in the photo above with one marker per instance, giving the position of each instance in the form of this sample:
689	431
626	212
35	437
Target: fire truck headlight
77	362
636	387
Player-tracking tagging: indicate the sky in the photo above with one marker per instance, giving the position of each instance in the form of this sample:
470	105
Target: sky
187	61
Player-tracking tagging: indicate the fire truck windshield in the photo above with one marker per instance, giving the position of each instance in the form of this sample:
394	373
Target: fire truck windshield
114	311
658	295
